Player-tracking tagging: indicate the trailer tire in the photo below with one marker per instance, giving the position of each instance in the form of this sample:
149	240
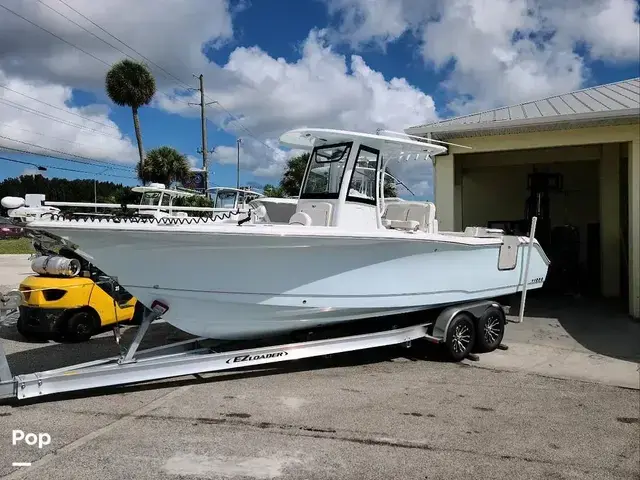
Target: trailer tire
490	330
80	326
460	337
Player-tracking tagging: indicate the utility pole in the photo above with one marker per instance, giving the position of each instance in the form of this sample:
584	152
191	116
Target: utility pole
203	121
238	142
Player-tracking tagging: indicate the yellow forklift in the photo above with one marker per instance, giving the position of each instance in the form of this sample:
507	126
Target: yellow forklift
70	299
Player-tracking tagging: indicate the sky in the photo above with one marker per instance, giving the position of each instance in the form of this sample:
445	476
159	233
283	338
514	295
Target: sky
270	66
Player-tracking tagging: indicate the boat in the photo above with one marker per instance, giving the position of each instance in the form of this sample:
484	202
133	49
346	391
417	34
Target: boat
159	201
339	258
243	201
229	198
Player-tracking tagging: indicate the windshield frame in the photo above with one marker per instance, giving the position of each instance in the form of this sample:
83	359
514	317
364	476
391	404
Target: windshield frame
375	174
226	194
314	161
154	196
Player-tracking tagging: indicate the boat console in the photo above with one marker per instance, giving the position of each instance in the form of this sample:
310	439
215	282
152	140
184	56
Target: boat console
343	185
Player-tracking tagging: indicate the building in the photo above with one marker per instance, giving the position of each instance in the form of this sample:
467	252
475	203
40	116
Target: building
584	148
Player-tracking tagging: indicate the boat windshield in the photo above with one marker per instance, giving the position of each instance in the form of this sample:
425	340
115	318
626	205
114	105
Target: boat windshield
150	198
326	169
362	187
225	199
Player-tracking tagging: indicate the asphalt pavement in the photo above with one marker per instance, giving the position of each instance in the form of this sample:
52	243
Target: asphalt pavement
383	414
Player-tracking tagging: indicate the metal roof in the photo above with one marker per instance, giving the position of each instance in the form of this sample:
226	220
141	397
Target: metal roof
608	103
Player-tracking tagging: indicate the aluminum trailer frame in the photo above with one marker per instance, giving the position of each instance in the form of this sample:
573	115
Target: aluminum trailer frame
193	356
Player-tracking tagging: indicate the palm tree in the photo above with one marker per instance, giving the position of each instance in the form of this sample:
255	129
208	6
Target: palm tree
132	84
164	165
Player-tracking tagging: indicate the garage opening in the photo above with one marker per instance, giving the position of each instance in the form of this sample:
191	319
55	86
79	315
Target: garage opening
563	188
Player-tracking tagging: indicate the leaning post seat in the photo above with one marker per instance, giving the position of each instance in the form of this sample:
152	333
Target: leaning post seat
411	216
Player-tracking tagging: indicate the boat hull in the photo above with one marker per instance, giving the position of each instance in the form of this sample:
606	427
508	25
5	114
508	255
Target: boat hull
248	284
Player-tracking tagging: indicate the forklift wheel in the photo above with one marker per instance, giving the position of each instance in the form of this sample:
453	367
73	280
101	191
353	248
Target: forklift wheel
80	327
26	333
138	313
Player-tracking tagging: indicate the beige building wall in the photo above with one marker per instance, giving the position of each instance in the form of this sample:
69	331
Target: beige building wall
603	145
499	193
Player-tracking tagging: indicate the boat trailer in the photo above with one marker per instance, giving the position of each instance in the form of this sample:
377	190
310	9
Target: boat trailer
450	329
458	328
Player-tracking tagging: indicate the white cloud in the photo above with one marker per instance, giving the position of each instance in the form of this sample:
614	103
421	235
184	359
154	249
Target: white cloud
81	131
194	161
268	94
263	160
39	65
168	32
503	51
379	21
321	89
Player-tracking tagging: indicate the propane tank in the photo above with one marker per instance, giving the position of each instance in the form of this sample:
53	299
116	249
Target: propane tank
56	265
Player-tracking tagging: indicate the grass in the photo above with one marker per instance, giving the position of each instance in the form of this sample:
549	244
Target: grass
15	246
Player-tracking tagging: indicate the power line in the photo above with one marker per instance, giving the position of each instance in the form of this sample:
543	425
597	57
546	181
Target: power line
53	34
59	108
52	117
49	136
62	39
249	132
27	152
87	160
63	168
96	36
123	43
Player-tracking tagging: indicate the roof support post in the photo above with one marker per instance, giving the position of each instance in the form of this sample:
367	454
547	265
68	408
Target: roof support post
444	190
634	228
610	220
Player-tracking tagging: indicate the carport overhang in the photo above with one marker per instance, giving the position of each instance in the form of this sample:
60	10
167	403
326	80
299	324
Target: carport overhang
593	128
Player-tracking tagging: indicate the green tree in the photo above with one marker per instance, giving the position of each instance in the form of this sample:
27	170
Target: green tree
62	190
129	83
294	175
273	191
163	165
199	201
389	186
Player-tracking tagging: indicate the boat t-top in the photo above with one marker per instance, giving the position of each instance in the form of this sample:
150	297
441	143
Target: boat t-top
229	198
159	199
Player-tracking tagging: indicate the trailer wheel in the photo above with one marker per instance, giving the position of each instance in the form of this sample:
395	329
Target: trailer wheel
490	329
80	327
460	337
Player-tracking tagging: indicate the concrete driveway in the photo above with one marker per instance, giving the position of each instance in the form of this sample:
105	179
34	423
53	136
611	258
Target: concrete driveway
377	414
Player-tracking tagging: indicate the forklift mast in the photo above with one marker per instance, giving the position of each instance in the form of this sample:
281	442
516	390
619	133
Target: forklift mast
540	184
